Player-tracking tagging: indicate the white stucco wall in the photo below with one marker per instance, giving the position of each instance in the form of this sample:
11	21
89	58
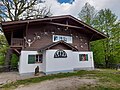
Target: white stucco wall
83	65
68	64
59	64
24	67
55	65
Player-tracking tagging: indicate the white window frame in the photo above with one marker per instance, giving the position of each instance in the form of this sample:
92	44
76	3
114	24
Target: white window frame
37	60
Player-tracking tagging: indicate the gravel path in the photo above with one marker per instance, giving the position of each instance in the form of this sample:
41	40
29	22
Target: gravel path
70	83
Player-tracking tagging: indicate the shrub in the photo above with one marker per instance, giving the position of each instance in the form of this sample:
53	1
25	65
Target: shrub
14	61
2	58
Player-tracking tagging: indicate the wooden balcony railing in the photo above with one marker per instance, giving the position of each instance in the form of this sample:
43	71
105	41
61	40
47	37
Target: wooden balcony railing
17	42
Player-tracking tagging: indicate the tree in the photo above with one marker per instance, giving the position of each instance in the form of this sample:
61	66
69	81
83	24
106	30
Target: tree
106	51
108	24
22	9
14	8
115	43
37	12
3	48
87	14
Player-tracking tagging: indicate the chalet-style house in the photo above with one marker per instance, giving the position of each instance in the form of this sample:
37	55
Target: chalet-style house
54	44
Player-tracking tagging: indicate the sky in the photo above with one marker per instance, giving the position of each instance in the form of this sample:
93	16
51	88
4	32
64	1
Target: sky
73	7
66	1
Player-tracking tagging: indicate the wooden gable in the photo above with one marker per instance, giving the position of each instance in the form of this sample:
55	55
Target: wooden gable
66	21
59	45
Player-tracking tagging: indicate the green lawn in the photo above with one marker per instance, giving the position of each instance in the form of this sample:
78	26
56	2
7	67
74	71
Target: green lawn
108	79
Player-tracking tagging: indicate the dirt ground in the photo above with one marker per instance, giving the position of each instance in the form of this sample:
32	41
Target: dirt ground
7	77
70	83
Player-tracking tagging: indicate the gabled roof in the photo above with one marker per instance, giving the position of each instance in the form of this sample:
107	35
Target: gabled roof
57	43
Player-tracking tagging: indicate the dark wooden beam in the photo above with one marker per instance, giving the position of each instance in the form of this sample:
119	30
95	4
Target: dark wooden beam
26	29
65	25
17	51
13	27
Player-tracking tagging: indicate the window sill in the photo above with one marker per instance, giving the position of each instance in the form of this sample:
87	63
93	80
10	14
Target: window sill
37	62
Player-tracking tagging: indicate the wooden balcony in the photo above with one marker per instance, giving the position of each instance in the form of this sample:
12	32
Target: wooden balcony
17	42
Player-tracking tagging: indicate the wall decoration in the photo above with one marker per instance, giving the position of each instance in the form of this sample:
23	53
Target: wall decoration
53	32
85	43
29	41
71	34
76	46
81	46
81	39
60	54
76	36
83	57
46	33
58	28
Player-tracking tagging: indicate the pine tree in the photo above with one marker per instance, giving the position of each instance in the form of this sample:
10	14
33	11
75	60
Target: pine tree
87	14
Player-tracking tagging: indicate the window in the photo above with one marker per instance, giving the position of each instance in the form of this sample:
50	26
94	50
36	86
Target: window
31	59
35	59
83	57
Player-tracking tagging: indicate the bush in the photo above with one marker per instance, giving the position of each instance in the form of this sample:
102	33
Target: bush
14	61
2	58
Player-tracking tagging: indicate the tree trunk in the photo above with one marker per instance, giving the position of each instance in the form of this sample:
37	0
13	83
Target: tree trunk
8	59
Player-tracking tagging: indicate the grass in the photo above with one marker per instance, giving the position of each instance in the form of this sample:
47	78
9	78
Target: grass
108	79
